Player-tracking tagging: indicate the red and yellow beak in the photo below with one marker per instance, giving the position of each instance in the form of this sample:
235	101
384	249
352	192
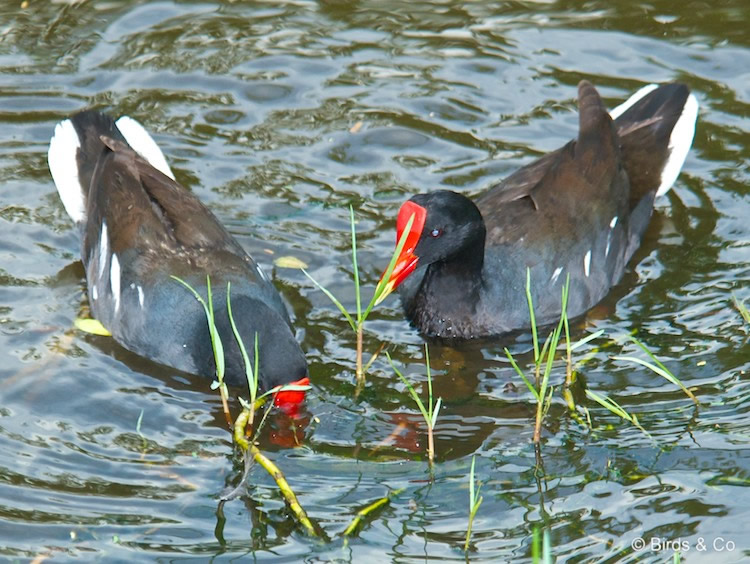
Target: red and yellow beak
289	401
406	261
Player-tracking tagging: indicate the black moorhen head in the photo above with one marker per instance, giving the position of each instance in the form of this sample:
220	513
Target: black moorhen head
579	211
139	229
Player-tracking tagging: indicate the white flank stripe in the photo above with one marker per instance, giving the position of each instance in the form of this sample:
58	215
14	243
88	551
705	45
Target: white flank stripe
679	144
94	293
587	263
114	280
556	274
140	295
622	108
103	249
613	222
63	164
143	144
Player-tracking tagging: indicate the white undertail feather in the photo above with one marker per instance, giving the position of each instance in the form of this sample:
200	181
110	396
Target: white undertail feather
63	164
143	144
114	280
627	104
587	263
679	141
103	248
679	144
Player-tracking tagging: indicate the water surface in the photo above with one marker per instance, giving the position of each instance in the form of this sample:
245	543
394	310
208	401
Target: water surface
254	104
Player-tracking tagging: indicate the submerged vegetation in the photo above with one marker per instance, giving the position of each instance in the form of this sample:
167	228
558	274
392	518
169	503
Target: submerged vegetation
541	389
538	383
242	428
243	425
245	430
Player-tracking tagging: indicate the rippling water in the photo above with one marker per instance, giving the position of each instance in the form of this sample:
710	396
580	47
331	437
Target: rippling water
255	104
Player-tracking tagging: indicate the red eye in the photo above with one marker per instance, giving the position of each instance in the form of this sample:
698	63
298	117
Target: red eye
435	233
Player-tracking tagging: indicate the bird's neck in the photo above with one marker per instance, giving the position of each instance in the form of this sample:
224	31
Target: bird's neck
452	288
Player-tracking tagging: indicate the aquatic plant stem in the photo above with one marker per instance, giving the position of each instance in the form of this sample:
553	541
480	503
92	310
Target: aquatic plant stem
363	513
360	374
429	413
273	470
360	339
383	288
546	356
475	500
216	344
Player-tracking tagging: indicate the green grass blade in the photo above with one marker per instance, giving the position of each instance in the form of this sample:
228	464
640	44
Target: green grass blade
335	301
284	388
215	338
475	500
564	314
435	412
354	264
252	385
380	288
587	339
192	290
548	402
614	407
659	369
529	385
411	390
666	374
536	546
429	381
546	548
531	316
609	404
550	359
216	345
364	513
742	308
543	353
471	485
256	370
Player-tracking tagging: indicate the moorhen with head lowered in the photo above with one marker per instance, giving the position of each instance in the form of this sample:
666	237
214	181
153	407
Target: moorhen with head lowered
139	228
579	211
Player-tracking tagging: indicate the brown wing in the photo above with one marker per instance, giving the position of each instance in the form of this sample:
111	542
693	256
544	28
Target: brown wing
554	189
158	211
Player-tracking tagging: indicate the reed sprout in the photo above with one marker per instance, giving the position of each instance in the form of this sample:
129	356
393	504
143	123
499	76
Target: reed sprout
245	419
658	368
613	407
475	500
431	410
541	548
357	321
541	390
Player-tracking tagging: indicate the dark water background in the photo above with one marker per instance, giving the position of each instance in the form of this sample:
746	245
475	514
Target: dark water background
252	103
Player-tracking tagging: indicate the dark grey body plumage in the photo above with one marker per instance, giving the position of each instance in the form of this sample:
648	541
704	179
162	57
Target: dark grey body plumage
154	229
579	211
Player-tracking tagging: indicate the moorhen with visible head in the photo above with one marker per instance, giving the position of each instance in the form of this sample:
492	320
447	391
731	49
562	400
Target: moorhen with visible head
139	229
579	211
